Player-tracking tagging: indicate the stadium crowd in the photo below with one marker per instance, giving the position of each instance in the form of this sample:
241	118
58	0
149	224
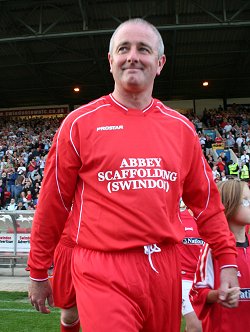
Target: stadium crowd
24	145
232	132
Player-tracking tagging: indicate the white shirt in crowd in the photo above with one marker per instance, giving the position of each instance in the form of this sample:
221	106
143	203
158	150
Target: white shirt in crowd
227	128
244	158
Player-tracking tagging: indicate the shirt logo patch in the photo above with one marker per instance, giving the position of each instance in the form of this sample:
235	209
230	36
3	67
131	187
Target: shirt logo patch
245	294
193	240
189	229
120	127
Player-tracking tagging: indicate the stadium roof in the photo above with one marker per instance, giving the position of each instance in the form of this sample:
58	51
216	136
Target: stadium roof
48	47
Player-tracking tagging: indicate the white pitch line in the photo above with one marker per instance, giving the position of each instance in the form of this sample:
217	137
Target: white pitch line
15	301
25	310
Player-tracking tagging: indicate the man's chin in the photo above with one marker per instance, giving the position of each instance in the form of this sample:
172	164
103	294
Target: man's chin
133	81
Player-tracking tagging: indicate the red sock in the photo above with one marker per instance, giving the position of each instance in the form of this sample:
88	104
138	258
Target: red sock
73	327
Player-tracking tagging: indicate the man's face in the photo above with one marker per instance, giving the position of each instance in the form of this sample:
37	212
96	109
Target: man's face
134	60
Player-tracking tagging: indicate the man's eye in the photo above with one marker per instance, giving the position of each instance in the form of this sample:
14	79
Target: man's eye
144	50
122	49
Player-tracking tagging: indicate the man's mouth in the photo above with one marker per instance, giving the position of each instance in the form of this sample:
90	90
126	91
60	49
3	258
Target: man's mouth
132	68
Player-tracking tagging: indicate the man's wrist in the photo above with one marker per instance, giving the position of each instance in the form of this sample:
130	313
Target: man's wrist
38	275
228	266
227	260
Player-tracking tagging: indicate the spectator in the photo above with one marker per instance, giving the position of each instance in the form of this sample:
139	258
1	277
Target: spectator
202	139
240	141
11	180
31	206
227	128
2	191
220	164
20	206
218	178
230	141
210	161
223	176
245	158
29	196
247	139
244	124
42	165
233	168
35	200
12	205
23	199
223	157
244	172
31	166
8	166
215	172
247	148
4	179
21	169
35	189
208	145
225	161
19	185
218	140
35	176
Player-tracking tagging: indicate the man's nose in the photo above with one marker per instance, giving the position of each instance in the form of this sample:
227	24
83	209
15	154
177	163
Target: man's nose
133	55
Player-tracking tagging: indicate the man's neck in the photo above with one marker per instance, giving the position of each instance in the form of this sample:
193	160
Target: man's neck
138	100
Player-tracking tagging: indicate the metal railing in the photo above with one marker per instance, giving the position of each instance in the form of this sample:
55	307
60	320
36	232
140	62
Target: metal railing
15	229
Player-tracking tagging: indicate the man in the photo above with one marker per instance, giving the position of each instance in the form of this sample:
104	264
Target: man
244	158
189	251
12	206
117	170
208	145
244	172
240	141
233	168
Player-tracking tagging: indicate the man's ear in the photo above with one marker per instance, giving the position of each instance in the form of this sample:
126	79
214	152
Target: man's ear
110	62
161	63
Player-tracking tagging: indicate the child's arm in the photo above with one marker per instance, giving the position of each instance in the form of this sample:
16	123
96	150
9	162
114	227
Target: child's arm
202	294
232	298
212	296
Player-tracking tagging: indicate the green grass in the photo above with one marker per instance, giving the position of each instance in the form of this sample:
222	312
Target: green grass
17	314
183	325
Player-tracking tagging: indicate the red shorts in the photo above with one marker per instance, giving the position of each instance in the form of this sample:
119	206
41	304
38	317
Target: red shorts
119	291
62	285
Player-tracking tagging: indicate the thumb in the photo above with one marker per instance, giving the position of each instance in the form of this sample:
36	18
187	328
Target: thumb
51	300
223	291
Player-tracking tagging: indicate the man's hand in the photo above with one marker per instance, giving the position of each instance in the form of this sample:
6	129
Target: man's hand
229	290
39	291
232	298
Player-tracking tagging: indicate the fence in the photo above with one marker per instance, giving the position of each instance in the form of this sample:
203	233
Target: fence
15	229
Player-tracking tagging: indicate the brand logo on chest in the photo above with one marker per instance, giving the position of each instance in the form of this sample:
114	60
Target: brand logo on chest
104	128
193	240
